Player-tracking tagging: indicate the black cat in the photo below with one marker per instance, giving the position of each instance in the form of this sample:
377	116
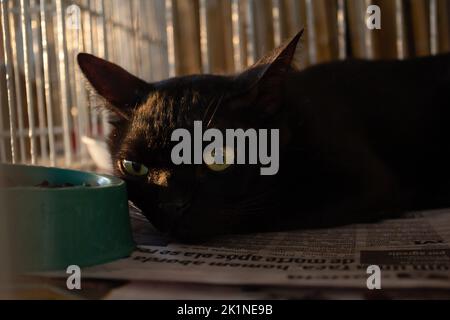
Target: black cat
359	141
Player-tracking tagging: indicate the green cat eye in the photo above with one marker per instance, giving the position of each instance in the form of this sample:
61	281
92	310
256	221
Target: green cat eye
228	156
133	168
218	167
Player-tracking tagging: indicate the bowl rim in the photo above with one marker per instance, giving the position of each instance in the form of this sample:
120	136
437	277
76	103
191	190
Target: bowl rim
113	182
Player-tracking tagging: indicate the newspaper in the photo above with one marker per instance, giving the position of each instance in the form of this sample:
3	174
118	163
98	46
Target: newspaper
412	252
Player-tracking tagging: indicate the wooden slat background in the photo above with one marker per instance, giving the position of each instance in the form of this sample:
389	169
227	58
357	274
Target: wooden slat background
319	17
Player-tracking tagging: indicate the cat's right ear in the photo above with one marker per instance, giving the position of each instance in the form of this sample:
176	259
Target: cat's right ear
120	88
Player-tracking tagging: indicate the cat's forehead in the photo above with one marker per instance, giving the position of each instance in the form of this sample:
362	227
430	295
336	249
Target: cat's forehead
203	84
180	99
172	104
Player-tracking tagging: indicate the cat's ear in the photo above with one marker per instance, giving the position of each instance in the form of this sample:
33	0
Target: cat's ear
281	59
119	87
263	82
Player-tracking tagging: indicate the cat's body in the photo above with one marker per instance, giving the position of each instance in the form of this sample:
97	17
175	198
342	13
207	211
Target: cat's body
375	135
359	141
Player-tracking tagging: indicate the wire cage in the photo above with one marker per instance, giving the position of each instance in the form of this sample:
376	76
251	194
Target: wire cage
46	110
45	107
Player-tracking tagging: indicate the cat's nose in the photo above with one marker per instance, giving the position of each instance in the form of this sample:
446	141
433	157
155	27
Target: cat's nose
173	211
172	204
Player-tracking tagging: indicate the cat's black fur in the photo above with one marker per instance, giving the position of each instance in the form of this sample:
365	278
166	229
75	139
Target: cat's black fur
360	141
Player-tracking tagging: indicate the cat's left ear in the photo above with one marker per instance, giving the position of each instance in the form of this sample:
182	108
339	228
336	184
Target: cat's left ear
120	88
263	82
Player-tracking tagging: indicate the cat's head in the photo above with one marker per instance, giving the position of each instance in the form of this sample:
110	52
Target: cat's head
192	201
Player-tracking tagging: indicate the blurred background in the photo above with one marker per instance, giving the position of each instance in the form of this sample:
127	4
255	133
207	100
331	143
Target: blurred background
48	117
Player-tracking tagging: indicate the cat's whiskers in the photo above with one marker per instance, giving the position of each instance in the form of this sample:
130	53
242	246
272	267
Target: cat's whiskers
219	103
252	206
247	212
205	115
255	198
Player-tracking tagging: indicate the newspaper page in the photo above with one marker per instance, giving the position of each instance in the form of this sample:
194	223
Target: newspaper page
411	252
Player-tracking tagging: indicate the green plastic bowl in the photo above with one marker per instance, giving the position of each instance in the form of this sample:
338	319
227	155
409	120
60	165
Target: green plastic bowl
83	225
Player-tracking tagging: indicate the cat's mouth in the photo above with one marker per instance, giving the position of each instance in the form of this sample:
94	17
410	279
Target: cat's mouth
166	216
190	217
174	212
181	220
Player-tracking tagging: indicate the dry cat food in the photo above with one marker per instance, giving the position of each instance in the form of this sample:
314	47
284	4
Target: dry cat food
6	182
47	185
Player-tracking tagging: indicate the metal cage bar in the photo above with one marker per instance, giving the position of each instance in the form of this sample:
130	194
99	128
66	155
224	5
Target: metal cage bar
47	84
7	52
46	108
342	29
434	31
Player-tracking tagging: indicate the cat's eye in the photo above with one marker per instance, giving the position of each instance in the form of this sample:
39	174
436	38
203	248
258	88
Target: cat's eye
133	169
227	154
